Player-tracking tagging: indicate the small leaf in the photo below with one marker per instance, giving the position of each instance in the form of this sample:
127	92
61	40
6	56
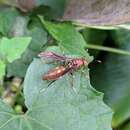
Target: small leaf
11	49
2	69
7	21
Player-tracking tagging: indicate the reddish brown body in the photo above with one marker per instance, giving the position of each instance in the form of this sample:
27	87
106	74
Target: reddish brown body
72	64
54	73
77	63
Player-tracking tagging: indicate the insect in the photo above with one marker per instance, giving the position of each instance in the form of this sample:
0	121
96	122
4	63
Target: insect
71	64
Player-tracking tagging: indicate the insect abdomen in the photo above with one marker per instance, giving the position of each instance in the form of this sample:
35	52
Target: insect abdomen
55	73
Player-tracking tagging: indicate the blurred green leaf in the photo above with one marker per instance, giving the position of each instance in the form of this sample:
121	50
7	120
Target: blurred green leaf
112	77
57	6
2	69
7	2
39	39
11	49
69	40
19	27
121	38
12	121
94	36
14	68
127	127
7	19
122	109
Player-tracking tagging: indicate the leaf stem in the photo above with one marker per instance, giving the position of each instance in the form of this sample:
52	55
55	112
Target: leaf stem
108	49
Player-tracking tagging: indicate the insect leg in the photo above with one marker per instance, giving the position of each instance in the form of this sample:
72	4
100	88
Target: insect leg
43	89
51	83
72	78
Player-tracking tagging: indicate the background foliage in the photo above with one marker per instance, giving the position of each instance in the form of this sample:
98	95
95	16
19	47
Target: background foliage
28	27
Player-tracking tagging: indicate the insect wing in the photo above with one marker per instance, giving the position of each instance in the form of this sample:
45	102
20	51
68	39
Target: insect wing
53	56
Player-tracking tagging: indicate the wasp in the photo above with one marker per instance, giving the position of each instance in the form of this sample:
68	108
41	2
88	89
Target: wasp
72	64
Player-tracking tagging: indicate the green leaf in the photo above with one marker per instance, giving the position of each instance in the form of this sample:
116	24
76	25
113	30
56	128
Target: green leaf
7	19
39	39
2	69
11	49
70	40
121	38
7	2
19	27
61	105
114	74
122	108
112	78
14	68
11	121
127	127
94	36
57	6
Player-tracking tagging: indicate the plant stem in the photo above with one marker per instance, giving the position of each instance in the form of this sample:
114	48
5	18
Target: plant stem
109	49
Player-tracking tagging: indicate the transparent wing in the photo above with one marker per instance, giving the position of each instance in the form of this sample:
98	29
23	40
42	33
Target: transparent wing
53	56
